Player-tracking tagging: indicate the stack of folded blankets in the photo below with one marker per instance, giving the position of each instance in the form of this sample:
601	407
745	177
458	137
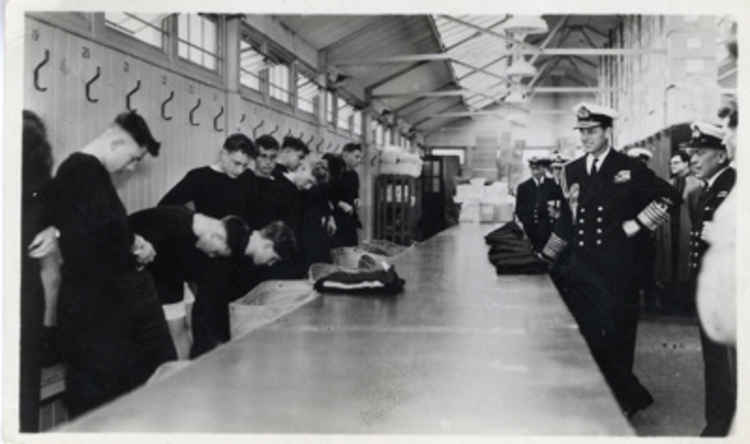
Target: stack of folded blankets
511	251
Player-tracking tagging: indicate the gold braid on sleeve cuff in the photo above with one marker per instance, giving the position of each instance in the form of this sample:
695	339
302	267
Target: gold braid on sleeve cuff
554	246
654	215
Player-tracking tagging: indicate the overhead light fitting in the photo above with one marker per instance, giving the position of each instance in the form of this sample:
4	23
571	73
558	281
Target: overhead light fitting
522	25
516	96
520	69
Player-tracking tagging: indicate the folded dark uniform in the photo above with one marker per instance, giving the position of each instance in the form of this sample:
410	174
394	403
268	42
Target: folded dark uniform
370	282
511	252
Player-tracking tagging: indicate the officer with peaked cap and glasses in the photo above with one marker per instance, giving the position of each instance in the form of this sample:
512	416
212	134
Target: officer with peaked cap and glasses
610	197
719	360
642	154
532	200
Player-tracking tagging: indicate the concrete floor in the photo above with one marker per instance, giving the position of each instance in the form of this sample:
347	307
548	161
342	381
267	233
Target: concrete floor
668	362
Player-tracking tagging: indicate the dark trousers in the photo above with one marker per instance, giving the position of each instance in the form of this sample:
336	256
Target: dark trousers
110	345
607	318
346	230
219	281
720	374
32	314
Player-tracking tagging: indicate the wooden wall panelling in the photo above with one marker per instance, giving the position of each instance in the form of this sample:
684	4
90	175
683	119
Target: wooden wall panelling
215	108
129	184
41	38
58	81
95	116
152	171
163	84
176	154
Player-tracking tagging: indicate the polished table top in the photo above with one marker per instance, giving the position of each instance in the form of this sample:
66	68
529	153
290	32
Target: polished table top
461	350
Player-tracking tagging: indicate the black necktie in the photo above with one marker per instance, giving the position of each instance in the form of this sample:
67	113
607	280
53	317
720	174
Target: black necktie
594	167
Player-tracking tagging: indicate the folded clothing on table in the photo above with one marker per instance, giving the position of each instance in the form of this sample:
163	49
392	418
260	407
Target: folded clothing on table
382	281
511	251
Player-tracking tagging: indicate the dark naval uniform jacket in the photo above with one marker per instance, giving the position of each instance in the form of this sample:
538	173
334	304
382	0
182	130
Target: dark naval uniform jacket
588	238
597	262
709	200
597	205
531	208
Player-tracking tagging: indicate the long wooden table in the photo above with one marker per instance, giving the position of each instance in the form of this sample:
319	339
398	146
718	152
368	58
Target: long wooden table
461	350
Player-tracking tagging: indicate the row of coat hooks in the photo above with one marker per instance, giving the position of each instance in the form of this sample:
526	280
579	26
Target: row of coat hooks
191	114
89	83
289	132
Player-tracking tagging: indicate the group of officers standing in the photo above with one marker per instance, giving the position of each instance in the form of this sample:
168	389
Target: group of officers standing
588	220
104	291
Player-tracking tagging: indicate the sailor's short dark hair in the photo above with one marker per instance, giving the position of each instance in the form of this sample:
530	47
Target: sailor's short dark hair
296	144
267	142
284	241
240	142
135	125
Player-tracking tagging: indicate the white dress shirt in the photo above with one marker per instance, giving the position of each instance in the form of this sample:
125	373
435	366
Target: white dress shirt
590	160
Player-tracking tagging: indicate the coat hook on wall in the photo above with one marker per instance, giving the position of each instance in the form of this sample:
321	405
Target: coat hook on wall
256	128
374	158
39	66
132	91
164	106
192	110
289	132
216	120
309	141
328	148
276	128
242	119
317	147
90	82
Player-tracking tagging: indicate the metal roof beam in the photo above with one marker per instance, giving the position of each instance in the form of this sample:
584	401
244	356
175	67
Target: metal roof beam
551	35
455	92
580	73
487	31
482	70
571	89
377	22
545	52
414	66
407	58
477	34
425	119
415	101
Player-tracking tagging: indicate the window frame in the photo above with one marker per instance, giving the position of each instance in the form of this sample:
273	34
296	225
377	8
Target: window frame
301	71
187	64
271	86
165	38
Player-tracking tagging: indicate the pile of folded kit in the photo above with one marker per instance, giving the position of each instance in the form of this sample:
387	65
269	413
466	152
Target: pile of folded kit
511	252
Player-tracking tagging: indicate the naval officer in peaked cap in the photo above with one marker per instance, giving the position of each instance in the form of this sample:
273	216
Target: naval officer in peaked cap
532	202
610	197
712	165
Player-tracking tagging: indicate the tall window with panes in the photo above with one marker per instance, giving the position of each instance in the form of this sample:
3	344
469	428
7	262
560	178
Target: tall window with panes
278	82
252	62
357	123
379	134
330	103
147	28
307	93
345	111
197	40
